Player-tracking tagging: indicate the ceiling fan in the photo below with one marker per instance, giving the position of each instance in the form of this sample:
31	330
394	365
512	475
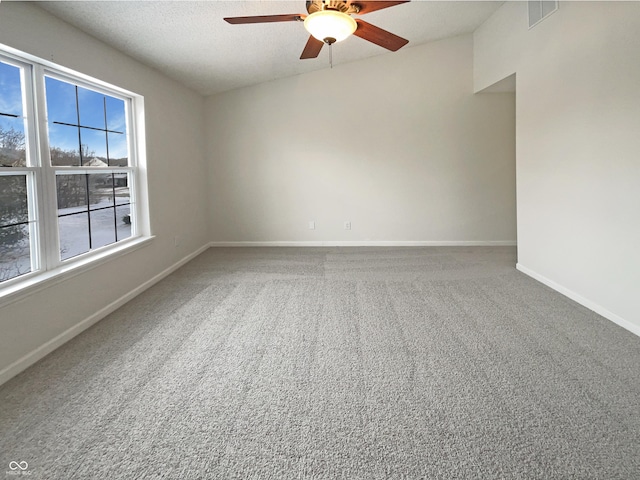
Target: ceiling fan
330	21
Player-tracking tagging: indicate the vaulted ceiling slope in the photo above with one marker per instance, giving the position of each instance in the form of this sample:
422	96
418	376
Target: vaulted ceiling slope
190	42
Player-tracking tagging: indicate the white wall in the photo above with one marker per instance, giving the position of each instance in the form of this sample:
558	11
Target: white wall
397	144
578	144
177	172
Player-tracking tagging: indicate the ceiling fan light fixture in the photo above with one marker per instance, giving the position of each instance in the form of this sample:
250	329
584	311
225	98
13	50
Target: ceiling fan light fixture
330	25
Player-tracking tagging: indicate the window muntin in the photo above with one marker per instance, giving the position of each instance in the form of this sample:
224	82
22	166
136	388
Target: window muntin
76	192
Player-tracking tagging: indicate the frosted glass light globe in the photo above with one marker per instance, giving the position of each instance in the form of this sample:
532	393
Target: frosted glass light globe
330	25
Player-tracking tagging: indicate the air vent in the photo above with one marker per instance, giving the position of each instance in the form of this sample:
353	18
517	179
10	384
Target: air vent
540	9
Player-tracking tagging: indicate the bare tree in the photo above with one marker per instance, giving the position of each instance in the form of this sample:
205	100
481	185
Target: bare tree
12	148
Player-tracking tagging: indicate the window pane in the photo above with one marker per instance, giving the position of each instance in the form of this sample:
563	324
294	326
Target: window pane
535	11
61	102
116	117
121	188
10	90
103	219
103	227
12	145
13	200
118	150
12	135
100	190
123	221
94	147
548	7
64	145
91	107
74	235
71	193
15	251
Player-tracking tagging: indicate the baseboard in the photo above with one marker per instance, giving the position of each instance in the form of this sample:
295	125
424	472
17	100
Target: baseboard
627	325
29	359
369	243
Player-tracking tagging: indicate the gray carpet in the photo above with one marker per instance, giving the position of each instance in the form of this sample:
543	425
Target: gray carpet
329	363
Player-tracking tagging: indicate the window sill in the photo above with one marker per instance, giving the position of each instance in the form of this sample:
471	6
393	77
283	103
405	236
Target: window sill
41	281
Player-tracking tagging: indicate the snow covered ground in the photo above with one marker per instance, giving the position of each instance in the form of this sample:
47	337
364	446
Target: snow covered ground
74	233
74	229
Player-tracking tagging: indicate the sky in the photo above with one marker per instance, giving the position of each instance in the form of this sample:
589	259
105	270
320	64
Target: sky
10	97
61	106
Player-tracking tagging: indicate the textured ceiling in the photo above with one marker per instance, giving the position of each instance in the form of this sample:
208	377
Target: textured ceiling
191	42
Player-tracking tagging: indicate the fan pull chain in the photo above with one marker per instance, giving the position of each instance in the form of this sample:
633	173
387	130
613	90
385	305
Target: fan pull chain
330	56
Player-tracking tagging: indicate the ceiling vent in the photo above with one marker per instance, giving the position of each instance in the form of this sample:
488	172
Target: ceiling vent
540	9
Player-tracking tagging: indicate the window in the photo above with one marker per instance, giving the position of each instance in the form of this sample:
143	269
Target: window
70	180
540	9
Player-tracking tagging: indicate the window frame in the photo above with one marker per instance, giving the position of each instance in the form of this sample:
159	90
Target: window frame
47	266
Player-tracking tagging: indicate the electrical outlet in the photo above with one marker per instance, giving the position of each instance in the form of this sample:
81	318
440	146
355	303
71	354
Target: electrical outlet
176	241
312	225
347	225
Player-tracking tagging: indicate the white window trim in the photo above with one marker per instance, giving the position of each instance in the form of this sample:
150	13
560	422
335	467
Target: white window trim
52	270
37	281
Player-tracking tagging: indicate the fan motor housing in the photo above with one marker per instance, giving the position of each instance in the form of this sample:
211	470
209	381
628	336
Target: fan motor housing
343	6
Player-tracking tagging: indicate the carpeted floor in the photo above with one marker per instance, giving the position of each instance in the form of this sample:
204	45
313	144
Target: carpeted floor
326	363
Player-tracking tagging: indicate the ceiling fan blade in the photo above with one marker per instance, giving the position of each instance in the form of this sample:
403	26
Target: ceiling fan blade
264	19
379	36
372	6
312	48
